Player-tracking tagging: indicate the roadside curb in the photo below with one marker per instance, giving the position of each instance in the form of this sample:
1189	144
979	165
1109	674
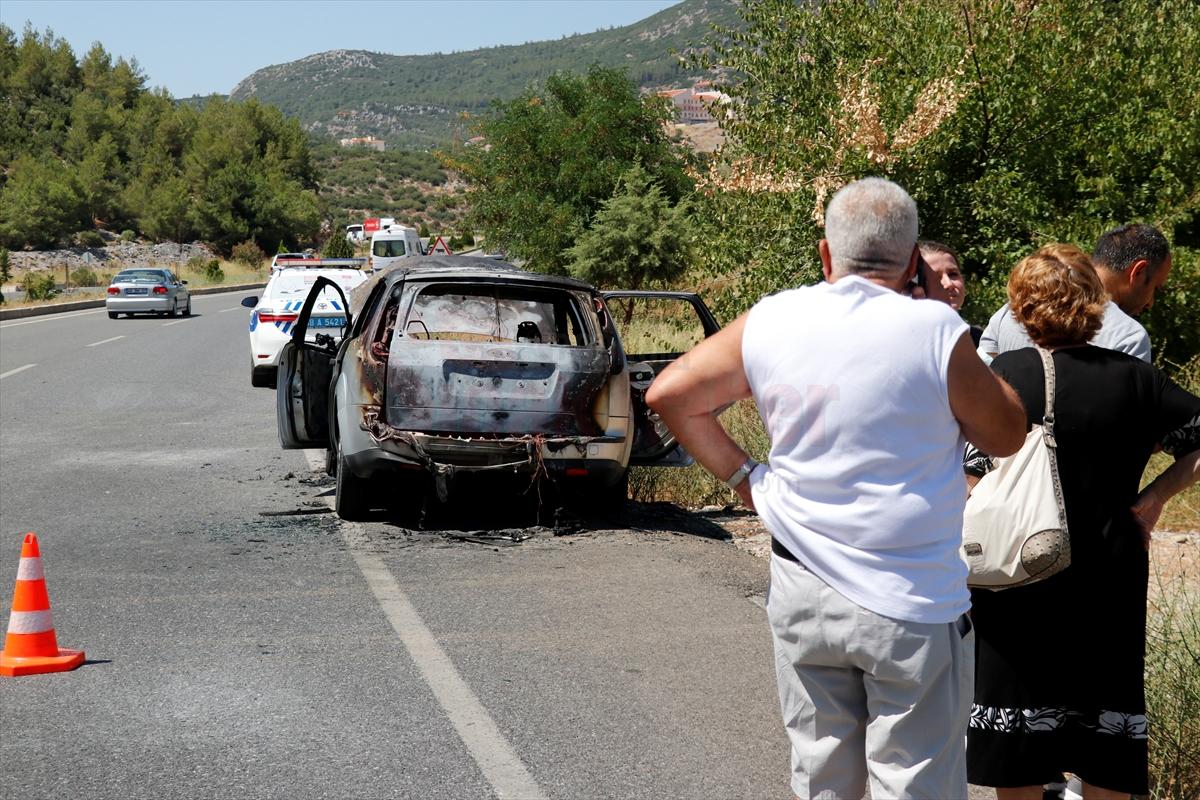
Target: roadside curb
77	305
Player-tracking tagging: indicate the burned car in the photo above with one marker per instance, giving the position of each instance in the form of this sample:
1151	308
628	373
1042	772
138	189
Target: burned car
455	365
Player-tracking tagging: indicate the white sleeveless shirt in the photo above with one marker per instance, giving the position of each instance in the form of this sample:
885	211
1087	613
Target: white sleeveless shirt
864	483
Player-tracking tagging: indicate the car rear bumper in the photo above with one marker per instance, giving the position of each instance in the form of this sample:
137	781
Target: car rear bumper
131	305
268	338
580	456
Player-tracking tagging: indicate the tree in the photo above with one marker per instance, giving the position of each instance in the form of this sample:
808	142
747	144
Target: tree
556	153
1012	124
636	239
338	246
5	270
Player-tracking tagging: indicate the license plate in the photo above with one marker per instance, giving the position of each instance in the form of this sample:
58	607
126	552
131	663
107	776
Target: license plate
136	291
327	322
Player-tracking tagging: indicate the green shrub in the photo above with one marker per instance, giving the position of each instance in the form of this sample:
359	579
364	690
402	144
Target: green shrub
128	235
250	254
89	239
213	272
196	264
38	285
84	276
338	246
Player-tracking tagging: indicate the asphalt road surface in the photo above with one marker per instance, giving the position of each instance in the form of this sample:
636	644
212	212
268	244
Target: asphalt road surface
239	649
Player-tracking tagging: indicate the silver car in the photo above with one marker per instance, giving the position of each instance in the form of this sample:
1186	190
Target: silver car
453	365
148	290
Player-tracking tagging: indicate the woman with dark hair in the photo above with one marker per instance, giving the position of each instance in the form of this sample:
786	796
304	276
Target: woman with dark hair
1036	716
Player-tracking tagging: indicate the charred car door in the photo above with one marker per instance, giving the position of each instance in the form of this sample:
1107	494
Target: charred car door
655	329
305	374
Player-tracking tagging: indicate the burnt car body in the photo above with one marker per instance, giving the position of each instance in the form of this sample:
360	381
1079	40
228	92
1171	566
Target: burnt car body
453	365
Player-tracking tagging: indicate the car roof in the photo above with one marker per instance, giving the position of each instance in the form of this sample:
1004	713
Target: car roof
439	267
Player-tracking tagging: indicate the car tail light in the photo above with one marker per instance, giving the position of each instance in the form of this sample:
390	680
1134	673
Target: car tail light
113	290
271	316
160	290
576	472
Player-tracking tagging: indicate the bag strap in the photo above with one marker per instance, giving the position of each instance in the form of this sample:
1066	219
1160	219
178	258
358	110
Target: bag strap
1048	433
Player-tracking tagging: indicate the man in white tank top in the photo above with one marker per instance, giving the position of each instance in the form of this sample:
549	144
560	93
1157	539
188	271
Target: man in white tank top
867	396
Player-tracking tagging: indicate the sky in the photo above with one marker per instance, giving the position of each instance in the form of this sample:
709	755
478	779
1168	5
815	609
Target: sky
206	46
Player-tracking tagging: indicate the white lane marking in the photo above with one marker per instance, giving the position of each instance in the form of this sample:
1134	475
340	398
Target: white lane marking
227	310
500	764
176	322
53	317
15	371
105	341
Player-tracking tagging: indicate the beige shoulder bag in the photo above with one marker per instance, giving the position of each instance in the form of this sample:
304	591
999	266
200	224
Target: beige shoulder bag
1015	524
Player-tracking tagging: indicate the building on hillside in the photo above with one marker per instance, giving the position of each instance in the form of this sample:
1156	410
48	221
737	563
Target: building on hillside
363	141
695	104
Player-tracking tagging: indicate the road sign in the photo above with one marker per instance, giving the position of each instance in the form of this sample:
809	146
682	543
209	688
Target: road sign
439	247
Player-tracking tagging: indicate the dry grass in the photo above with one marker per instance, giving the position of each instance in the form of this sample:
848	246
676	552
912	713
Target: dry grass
235	273
1173	679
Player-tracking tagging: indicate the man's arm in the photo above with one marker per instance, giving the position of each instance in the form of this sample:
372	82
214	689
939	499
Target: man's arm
989	341
689	392
989	412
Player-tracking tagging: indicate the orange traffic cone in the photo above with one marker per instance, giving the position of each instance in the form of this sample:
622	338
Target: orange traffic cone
31	646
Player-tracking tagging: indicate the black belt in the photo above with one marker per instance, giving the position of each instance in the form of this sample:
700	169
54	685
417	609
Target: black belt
781	551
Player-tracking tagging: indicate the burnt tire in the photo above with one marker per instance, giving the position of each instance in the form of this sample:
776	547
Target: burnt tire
351	494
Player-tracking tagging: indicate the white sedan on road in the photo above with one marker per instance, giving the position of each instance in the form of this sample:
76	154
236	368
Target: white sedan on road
147	290
276	312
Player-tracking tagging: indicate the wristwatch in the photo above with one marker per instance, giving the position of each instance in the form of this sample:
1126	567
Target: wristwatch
741	473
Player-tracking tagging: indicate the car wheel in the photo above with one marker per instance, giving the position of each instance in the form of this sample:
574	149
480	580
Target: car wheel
187	310
174	312
351	492
113	315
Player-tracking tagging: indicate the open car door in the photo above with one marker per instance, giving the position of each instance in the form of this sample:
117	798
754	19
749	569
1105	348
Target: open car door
305	373
656	328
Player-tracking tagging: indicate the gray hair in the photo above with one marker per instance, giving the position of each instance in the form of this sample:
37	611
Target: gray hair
871	226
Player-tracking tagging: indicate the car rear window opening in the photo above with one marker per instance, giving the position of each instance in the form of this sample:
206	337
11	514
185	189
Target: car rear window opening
509	314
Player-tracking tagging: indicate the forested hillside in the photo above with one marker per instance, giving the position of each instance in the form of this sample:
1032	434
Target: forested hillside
84	144
410	186
416	100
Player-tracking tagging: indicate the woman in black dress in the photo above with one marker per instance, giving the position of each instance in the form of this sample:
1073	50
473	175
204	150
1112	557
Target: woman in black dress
1059	663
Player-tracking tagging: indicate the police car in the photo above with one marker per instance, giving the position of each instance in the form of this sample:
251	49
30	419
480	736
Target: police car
276	312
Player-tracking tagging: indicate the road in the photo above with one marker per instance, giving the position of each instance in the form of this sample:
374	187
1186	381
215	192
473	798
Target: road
237	649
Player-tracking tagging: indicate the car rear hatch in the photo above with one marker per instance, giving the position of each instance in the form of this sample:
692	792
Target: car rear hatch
292	288
495	360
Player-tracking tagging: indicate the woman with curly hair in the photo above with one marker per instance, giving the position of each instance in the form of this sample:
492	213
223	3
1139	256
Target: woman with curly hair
1038	715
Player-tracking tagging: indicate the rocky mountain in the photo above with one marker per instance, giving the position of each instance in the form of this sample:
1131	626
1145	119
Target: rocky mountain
418	101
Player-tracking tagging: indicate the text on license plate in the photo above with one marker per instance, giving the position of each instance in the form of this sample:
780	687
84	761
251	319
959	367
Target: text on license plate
136	291
326	322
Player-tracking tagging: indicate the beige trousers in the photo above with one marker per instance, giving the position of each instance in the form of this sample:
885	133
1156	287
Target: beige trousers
865	697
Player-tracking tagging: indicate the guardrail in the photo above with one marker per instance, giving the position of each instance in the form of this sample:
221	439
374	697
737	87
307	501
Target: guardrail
79	305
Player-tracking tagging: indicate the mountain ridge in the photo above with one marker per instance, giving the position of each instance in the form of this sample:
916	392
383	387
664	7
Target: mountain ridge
419	100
